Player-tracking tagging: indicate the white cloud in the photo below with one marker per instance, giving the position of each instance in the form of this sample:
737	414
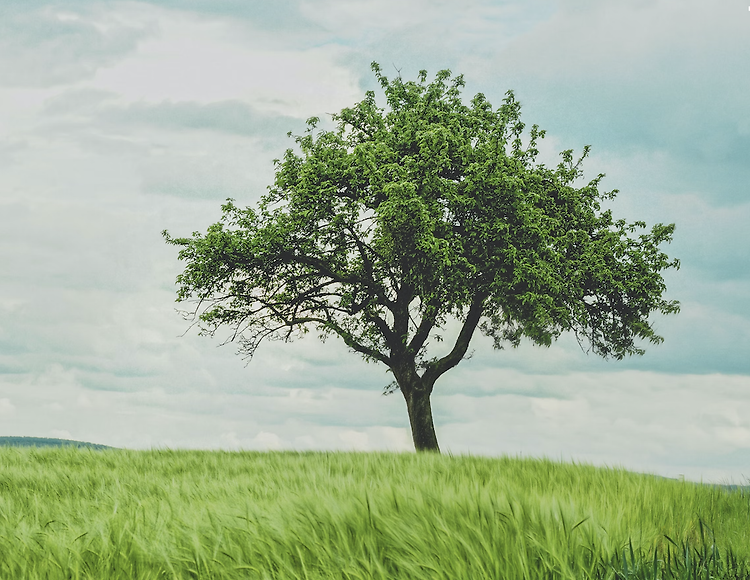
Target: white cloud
229	440
6	407
395	438
425	34
734	436
616	40
60	434
304	442
56	376
655	78
652	422
195	60
355	439
84	401
365	20
43	47
267	440
559	410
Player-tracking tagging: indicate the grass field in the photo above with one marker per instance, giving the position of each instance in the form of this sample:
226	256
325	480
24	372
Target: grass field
115	514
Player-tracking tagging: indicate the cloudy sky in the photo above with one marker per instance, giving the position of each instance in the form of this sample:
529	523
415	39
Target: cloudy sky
121	119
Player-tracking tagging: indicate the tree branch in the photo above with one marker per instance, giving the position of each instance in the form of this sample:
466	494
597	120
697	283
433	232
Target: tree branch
441	366
351	341
370	284
427	324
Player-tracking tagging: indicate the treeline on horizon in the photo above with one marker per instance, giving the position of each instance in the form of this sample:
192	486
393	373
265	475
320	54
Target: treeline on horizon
48	442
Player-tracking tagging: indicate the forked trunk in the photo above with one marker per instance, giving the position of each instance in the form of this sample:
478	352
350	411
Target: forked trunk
420	418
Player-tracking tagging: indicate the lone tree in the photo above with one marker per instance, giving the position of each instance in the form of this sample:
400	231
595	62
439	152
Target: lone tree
403	218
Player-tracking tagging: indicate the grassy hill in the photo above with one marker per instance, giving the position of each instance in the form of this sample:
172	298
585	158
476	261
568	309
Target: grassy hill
122	514
46	442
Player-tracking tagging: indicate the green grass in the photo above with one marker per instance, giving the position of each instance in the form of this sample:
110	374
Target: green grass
116	514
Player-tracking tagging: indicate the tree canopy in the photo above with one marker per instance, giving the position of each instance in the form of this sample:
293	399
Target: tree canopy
401	218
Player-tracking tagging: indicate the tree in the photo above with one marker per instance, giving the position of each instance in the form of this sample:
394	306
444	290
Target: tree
400	219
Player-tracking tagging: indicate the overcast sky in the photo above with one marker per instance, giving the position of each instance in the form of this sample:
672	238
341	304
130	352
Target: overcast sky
121	119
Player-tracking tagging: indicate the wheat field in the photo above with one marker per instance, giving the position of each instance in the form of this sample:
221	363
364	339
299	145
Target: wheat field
68	513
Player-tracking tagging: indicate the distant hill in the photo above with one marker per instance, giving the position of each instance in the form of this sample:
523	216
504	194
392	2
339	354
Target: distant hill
47	442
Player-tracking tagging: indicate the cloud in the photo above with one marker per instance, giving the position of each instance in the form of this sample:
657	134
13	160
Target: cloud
558	410
6	407
355	439
266	440
200	176
46	45
105	110
211	61
233	117
278	16
8	149
60	434
365	20
644	421
88	141
632	36
650	78
427	34
713	240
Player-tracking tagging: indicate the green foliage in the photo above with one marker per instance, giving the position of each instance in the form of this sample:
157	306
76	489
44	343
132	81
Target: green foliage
71	513
382	229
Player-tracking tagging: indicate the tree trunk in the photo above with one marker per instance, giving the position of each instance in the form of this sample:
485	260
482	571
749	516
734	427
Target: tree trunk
420	418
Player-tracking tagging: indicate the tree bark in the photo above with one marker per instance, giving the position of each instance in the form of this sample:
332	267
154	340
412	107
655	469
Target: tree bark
420	418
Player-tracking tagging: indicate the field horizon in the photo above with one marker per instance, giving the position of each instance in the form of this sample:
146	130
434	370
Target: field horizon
28	441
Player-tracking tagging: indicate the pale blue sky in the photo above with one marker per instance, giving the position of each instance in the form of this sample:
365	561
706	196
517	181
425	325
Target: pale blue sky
120	119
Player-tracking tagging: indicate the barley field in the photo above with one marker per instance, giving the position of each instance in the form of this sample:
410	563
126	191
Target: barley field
68	513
